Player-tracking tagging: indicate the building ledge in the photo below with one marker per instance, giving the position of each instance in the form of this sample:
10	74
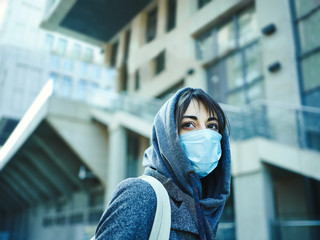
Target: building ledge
93	21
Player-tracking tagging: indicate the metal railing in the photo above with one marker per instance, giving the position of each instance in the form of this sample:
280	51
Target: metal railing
297	126
296	229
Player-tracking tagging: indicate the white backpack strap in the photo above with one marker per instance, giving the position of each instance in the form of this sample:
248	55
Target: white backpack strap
162	220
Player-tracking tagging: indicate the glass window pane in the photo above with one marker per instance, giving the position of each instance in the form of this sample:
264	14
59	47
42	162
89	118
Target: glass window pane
248	27
309	32
83	68
93	91
95	70
160	62
61	48
205	46
311	72
201	3
304	6
226	37
88	54
81	90
55	78
236	98
234	72
171	14
217	81
114	53
54	61
151	25
253	63
76	51
255	91
66	86
68	64
93	88
48	42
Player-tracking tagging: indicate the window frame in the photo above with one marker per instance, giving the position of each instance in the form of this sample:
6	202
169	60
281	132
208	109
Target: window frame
151	25
171	15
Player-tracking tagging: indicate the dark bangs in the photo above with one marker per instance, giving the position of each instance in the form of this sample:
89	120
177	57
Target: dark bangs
201	97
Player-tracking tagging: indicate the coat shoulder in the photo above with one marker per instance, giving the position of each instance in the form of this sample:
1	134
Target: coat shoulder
130	212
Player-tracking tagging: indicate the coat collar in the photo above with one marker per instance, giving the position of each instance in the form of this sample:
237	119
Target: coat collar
183	212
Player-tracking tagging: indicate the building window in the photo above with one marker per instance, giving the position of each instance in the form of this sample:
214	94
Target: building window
60	220
61	47
88	54
172	12
61	205
54	61
238	31
307	15
68	64
151	30
159	63
83	68
47	222
76	51
290	210
124	78
137	80
48	42
76	218
81	92
7	125
201	3
66	86
127	45
94	87
96	199
236	77
55	78
171	91
133	147
95	71
114	53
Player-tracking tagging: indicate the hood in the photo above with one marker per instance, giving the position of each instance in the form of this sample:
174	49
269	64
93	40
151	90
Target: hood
168	157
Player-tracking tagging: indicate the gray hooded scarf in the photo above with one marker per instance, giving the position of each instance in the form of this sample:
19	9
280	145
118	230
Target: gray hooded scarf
167	156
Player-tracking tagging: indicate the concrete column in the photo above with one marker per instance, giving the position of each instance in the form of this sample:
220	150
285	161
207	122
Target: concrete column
253	190
254	208
185	8
117	158
161	18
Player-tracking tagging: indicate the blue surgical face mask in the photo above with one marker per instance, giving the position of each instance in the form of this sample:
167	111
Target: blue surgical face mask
203	149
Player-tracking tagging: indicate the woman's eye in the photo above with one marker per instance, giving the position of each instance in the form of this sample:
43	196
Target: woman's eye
213	126
187	125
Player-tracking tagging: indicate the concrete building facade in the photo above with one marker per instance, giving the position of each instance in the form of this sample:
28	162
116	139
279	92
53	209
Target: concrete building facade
257	58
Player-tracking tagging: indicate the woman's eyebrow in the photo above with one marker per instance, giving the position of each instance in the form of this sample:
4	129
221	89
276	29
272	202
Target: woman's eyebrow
190	116
212	119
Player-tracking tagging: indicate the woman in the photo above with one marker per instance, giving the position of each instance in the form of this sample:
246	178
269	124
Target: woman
185	156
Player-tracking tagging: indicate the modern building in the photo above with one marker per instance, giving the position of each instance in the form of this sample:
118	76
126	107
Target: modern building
30	56
259	59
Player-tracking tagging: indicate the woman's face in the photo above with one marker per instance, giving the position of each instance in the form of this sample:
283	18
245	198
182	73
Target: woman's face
197	118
